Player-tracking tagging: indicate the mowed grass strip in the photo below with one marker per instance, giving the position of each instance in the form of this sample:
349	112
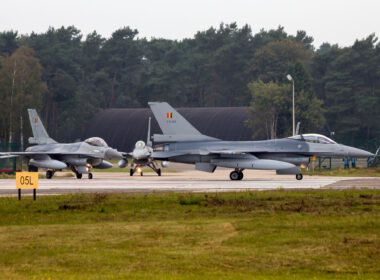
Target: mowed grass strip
350	172
255	235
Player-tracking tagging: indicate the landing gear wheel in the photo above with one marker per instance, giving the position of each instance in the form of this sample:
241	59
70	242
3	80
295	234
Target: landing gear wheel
159	171
49	174
241	175
234	175
131	172
90	176
78	175
141	173
299	176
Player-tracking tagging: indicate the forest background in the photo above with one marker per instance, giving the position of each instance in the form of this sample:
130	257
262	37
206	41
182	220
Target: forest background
69	78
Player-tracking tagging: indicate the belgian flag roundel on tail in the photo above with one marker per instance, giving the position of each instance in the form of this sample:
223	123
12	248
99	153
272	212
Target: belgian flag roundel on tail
169	115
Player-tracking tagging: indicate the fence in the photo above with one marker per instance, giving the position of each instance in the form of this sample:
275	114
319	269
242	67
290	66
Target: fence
10	165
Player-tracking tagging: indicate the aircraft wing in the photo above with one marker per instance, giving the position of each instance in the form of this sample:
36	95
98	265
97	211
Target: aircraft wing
163	155
31	154
7	156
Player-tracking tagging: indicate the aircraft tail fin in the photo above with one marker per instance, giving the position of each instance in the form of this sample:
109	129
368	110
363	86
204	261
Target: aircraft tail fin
173	125
40	135
148	141
298	128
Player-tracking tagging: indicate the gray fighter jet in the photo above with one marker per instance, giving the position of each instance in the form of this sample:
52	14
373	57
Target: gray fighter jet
181	142
51	156
141	156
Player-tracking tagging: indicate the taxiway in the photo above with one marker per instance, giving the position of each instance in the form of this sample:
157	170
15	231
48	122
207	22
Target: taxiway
187	181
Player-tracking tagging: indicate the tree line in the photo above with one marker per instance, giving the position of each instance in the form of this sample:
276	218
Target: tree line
69	78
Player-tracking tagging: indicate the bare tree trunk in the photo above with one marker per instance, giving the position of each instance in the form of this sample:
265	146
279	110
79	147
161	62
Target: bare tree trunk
275	127
11	108
272	129
267	130
21	134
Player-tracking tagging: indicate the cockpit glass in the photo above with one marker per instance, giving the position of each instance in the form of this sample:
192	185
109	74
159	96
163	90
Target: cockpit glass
140	145
96	141
313	138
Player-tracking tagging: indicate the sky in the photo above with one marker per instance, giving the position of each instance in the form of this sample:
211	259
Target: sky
334	21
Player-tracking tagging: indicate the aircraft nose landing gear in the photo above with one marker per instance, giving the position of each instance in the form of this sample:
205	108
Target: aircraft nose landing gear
299	176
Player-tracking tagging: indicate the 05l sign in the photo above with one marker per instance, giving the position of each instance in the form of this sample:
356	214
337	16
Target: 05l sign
27	180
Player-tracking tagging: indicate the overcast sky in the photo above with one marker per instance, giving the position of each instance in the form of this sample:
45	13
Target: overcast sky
333	21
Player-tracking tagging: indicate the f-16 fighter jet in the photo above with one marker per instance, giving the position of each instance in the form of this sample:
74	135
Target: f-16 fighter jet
141	156
51	156
181	142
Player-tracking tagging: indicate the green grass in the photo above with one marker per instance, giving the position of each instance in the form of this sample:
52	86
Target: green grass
351	172
245	235
7	176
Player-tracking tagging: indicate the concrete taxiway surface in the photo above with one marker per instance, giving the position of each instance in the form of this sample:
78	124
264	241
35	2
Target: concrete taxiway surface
188	181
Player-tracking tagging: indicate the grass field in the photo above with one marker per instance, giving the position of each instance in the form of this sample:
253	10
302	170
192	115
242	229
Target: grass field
351	172
245	235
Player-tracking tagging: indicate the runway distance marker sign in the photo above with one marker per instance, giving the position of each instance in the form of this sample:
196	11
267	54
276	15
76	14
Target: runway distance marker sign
27	180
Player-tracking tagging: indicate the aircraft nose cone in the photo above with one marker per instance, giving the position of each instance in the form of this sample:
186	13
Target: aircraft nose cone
112	153
355	152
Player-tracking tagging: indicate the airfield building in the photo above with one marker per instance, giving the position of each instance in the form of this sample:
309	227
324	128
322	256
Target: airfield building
122	128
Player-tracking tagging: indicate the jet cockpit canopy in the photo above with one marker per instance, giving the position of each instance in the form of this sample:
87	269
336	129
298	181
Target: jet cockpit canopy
313	138
140	144
96	141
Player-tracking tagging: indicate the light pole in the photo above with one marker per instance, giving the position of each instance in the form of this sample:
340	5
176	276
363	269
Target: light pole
290	78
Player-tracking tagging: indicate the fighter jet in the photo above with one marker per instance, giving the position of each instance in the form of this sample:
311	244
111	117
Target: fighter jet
181	142
51	156
141	156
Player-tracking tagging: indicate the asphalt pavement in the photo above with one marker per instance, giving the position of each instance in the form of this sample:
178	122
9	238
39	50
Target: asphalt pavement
187	181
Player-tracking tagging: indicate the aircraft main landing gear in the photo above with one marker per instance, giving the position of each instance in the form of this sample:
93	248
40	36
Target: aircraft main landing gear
154	167
236	175
49	174
75	170
299	176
